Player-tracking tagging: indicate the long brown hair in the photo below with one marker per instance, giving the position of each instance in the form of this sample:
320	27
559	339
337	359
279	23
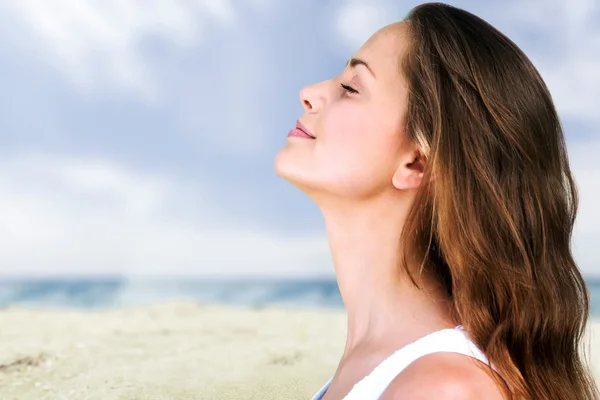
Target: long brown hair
494	216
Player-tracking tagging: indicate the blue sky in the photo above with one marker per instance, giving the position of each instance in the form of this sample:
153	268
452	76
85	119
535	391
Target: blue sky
138	138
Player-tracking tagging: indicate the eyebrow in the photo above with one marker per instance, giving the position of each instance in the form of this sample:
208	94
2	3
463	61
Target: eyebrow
353	62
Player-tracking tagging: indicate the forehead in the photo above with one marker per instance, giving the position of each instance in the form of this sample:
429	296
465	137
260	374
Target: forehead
383	52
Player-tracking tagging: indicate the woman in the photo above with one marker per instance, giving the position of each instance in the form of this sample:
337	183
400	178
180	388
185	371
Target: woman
439	164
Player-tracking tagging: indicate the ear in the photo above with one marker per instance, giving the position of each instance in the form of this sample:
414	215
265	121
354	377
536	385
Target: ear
409	173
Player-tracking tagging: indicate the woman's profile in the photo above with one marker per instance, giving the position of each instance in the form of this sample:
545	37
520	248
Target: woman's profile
438	161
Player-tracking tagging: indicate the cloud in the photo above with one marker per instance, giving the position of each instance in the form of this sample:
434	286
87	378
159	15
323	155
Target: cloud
202	63
354	21
100	43
67	214
72	216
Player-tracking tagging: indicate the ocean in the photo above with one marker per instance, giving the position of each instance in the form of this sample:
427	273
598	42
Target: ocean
117	292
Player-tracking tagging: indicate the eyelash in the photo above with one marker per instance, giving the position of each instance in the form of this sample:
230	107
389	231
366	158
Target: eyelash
349	89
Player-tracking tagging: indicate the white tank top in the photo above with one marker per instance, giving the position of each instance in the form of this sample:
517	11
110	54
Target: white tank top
372	386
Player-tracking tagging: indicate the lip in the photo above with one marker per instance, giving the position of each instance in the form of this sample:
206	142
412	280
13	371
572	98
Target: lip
300	126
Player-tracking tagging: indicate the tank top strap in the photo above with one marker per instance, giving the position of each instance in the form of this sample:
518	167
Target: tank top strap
452	340
319	395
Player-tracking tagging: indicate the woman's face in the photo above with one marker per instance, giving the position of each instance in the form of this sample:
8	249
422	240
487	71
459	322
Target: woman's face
357	121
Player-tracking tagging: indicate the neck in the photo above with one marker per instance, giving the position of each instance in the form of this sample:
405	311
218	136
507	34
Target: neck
381	302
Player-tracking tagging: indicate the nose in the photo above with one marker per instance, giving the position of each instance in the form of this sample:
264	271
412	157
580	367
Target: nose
311	98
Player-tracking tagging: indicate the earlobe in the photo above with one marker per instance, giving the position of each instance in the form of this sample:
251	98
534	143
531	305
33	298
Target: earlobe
409	175
405	179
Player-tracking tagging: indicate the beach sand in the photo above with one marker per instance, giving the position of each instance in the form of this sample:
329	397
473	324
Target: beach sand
174	351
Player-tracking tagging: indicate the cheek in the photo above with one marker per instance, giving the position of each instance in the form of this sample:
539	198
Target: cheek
356	151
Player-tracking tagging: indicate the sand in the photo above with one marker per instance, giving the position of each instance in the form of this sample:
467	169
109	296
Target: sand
174	351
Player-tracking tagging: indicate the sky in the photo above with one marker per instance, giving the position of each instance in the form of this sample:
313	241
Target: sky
137	137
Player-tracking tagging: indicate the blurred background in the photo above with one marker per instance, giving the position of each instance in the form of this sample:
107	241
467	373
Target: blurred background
137	141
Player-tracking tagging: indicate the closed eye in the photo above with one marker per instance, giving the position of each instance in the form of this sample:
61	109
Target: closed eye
349	89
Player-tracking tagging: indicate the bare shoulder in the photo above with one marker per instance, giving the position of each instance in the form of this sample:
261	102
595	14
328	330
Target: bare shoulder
445	376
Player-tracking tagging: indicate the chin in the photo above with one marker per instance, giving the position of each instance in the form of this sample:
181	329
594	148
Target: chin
290	172
288	163
290	168
281	163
